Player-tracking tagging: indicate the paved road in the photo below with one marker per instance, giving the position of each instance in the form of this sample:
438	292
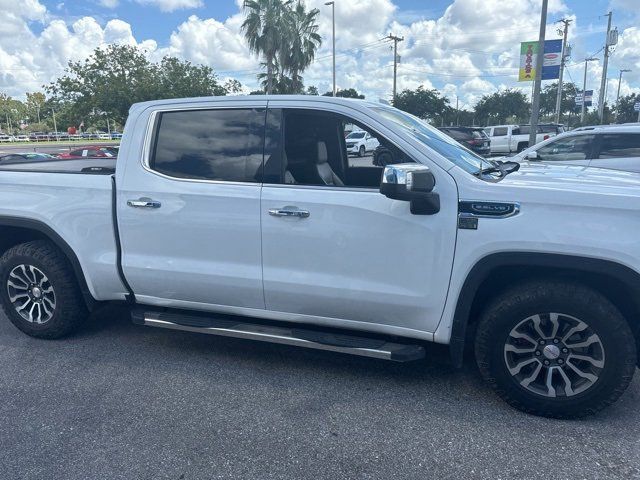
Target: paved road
120	401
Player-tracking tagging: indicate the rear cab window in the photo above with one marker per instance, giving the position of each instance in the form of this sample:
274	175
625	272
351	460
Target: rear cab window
224	144
619	145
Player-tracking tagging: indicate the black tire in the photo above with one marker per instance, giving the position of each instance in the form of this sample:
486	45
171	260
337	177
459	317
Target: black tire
522	146
527	300
69	311
361	151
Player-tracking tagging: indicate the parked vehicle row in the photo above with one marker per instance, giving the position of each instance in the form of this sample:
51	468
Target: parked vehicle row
91	151
59	136
248	217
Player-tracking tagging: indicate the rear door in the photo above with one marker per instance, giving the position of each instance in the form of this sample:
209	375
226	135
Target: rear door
618	151
189	208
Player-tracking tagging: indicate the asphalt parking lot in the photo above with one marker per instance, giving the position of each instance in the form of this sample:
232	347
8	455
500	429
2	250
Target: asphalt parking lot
119	401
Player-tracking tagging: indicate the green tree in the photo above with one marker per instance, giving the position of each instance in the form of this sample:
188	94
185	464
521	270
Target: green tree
177	78
624	108
106	84
346	93
548	98
311	90
35	102
265	30
12	112
508	105
303	42
425	103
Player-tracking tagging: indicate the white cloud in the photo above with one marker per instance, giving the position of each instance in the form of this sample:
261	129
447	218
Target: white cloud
171	5
210	42
109	3
456	52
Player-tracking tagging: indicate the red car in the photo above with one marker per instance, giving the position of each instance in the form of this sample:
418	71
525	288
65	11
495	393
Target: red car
90	152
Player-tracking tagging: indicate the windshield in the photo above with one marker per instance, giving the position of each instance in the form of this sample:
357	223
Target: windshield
433	138
356	135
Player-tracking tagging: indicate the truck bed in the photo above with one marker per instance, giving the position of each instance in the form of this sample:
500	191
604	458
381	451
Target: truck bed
76	207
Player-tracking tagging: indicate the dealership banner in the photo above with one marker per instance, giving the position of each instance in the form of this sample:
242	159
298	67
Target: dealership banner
552	58
588	99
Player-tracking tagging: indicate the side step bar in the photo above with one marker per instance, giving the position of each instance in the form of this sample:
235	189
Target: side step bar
227	326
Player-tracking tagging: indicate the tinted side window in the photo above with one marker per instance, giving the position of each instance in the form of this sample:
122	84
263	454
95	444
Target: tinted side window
500	131
566	149
620	145
223	144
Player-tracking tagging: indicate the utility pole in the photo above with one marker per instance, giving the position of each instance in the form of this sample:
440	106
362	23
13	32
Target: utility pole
603	81
55	126
333	22
535	102
584	88
618	94
395	61
457	112
562	60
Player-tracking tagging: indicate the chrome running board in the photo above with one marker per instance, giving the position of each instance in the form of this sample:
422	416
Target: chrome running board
300	337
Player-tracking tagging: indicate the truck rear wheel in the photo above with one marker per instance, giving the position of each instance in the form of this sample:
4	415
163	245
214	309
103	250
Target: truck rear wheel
39	292
555	349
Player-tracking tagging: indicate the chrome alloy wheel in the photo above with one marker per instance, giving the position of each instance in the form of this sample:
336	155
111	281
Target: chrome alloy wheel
554	355
31	294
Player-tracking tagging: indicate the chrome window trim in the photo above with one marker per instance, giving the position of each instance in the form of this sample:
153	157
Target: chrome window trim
322	187
148	138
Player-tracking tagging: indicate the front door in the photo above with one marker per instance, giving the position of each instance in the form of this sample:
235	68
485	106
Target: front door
189	211
338	249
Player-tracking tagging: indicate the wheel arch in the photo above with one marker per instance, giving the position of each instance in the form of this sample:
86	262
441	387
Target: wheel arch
619	283
16	230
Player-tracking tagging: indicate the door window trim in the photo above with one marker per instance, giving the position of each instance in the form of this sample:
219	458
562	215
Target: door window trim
153	127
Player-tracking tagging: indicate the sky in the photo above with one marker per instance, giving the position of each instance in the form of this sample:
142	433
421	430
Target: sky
463	48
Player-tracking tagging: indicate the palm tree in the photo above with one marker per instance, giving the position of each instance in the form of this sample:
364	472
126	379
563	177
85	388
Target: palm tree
304	41
264	29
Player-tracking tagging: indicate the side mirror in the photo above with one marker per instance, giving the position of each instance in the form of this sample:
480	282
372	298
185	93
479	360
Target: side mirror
412	183
532	156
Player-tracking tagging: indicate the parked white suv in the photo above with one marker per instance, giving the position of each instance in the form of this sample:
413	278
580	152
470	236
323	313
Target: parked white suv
612	147
246	217
360	142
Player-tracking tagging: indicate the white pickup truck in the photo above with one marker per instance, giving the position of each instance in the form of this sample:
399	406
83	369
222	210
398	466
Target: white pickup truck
245	217
507	139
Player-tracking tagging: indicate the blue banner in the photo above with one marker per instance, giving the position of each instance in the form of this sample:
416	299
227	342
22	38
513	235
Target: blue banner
552	59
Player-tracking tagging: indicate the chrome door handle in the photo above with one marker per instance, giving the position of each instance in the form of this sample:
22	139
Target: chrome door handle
143	203
288	212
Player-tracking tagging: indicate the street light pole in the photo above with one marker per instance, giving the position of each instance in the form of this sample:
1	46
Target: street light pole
584	88
618	94
535	103
333	28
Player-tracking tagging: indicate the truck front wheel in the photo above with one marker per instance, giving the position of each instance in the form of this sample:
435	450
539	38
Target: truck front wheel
39	292
555	349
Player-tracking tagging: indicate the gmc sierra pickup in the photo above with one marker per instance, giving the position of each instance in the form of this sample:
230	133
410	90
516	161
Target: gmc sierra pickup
246	217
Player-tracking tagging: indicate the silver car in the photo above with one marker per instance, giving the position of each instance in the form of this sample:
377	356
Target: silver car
615	147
